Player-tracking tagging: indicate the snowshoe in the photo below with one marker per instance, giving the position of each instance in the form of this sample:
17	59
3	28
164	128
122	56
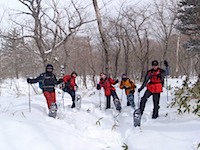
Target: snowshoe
117	104
137	117
78	101
53	110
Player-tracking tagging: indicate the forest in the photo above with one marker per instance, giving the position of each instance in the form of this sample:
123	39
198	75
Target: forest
99	36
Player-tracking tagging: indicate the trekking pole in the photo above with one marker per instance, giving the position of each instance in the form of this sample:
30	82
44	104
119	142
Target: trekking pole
122	95
167	89
29	95
62	70
166	75
100	100
138	99
63	93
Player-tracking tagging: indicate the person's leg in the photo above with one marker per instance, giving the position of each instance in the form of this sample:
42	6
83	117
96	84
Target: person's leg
116	100
143	101
128	103
50	98
156	100
107	102
72	94
130	100
53	95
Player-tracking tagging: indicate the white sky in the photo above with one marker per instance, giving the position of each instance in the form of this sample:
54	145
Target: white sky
7	7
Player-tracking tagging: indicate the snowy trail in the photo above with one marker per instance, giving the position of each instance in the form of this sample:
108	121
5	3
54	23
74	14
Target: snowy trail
91	128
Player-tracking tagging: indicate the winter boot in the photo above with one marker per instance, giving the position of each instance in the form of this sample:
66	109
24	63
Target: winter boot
73	105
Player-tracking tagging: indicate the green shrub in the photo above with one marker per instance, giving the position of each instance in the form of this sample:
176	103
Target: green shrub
187	98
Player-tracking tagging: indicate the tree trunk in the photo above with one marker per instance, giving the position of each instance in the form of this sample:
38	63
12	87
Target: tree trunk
104	39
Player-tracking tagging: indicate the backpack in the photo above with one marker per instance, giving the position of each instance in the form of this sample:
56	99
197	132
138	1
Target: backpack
41	82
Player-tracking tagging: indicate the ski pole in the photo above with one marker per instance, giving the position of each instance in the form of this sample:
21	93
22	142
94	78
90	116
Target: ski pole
29	95
122	95
167	90
100	100
63	93
138	99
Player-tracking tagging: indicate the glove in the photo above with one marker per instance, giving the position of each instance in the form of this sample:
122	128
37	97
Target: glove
60	80
98	87
76	87
139	90
117	81
166	63
28	80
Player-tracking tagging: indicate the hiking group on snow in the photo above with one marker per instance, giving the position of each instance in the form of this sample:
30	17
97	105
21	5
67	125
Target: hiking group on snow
154	82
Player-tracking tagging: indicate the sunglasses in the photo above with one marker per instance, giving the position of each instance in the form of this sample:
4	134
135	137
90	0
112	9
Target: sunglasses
49	68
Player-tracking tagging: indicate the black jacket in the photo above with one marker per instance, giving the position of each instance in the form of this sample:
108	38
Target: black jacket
48	81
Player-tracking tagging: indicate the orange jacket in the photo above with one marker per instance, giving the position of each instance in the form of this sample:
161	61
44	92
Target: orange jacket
128	85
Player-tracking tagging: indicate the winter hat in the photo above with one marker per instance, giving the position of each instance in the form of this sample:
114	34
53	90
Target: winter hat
124	75
73	73
154	63
102	73
49	66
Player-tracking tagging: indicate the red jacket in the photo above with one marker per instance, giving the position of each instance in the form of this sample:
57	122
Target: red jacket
107	85
156	81
71	80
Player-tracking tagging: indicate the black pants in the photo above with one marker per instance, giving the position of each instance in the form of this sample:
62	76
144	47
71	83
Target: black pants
71	92
156	100
114	95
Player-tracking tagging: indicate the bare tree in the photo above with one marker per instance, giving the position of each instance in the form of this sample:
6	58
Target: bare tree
103	38
49	29
165	20
136	29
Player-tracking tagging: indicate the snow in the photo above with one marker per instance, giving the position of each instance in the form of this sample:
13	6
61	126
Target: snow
90	128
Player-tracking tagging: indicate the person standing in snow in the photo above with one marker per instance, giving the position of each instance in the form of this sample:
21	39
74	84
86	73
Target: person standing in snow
107	83
129	87
47	81
154	81
70	86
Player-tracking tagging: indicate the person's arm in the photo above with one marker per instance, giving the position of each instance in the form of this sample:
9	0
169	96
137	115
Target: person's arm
162	76
57	81
133	84
166	68
66	78
35	80
144	83
112	81
100	84
121	86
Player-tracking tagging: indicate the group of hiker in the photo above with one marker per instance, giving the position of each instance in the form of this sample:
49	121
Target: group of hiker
154	81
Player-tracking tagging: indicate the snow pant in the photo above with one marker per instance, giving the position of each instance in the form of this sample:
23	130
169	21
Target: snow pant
156	99
71	92
114	95
50	98
130	100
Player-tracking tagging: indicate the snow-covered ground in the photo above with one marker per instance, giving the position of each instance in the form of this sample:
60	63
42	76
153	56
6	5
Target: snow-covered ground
89	128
